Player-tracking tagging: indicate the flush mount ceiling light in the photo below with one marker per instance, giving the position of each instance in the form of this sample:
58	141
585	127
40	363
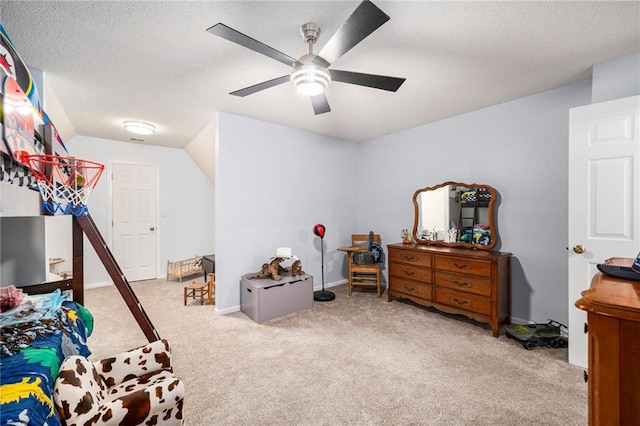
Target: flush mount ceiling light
140	127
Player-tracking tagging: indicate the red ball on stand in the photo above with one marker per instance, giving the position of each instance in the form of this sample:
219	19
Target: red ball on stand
322	295
319	230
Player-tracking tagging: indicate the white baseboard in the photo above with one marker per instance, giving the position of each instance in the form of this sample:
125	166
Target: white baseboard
96	285
516	320
227	310
318	286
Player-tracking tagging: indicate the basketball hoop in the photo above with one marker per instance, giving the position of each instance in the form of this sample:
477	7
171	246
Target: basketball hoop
65	183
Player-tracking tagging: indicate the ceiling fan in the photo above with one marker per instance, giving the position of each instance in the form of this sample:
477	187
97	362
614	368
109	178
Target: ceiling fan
310	74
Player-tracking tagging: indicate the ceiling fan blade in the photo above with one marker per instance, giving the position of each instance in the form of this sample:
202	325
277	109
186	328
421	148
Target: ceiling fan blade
260	86
363	21
320	104
370	80
221	30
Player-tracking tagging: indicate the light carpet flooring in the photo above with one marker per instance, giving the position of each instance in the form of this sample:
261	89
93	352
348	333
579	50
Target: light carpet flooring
358	360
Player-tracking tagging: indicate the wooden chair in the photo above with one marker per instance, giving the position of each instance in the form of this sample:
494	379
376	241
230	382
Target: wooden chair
364	275
212	288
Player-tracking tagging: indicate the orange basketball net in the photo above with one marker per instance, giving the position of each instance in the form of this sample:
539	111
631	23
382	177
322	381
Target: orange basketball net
65	183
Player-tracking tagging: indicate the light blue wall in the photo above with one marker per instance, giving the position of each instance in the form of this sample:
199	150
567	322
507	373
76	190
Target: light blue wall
521	149
185	201
273	183
616	79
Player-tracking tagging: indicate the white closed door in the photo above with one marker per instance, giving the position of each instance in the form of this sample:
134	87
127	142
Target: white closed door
134	219
604	199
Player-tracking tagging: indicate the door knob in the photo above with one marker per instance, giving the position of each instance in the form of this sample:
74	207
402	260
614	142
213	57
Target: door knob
151	228
579	249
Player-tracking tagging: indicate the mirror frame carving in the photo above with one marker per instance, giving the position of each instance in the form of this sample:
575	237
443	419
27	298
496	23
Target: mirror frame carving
491	214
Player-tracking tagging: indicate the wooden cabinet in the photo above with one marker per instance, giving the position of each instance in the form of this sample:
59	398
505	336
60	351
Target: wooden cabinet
613	315
472	283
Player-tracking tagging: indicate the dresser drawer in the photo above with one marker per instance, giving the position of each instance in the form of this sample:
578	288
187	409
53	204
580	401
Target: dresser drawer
463	266
465	301
406	256
410	288
467	283
410	272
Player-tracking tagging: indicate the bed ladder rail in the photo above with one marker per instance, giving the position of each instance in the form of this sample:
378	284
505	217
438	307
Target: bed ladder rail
88	226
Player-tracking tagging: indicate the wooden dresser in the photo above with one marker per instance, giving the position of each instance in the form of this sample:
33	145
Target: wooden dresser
472	283
613	315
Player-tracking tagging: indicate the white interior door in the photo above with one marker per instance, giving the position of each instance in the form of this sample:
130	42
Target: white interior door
604	199
134	219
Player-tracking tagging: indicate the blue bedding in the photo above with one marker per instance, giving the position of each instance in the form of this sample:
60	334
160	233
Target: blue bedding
36	337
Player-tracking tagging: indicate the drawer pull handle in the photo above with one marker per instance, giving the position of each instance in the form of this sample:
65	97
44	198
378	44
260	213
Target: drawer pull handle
410	257
460	265
460	301
409	288
461	283
409	273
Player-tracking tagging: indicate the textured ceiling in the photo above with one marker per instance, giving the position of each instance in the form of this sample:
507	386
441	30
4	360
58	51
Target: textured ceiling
110	61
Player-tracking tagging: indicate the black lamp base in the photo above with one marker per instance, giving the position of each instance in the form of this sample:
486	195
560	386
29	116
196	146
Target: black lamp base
323	296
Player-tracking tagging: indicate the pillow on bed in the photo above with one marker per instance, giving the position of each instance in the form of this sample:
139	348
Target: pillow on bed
10	297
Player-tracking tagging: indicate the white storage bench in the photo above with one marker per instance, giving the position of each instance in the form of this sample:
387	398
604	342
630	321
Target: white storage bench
263	299
184	268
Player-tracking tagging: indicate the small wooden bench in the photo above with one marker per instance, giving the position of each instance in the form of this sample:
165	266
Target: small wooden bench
196	290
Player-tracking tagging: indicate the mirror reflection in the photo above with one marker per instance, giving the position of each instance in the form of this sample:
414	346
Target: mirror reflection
455	214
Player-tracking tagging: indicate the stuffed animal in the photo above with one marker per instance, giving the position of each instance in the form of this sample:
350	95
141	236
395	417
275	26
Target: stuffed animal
272	269
296	268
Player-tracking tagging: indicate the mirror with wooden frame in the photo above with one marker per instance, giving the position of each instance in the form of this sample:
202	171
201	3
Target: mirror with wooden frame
456	214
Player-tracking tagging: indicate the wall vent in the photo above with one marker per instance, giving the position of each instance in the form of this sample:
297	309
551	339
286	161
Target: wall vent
136	140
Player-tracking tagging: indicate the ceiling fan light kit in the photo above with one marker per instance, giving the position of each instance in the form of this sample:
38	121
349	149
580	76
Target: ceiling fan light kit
140	127
310	75
310	79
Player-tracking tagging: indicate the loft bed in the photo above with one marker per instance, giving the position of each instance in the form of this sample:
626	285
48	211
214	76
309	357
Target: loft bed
44	326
